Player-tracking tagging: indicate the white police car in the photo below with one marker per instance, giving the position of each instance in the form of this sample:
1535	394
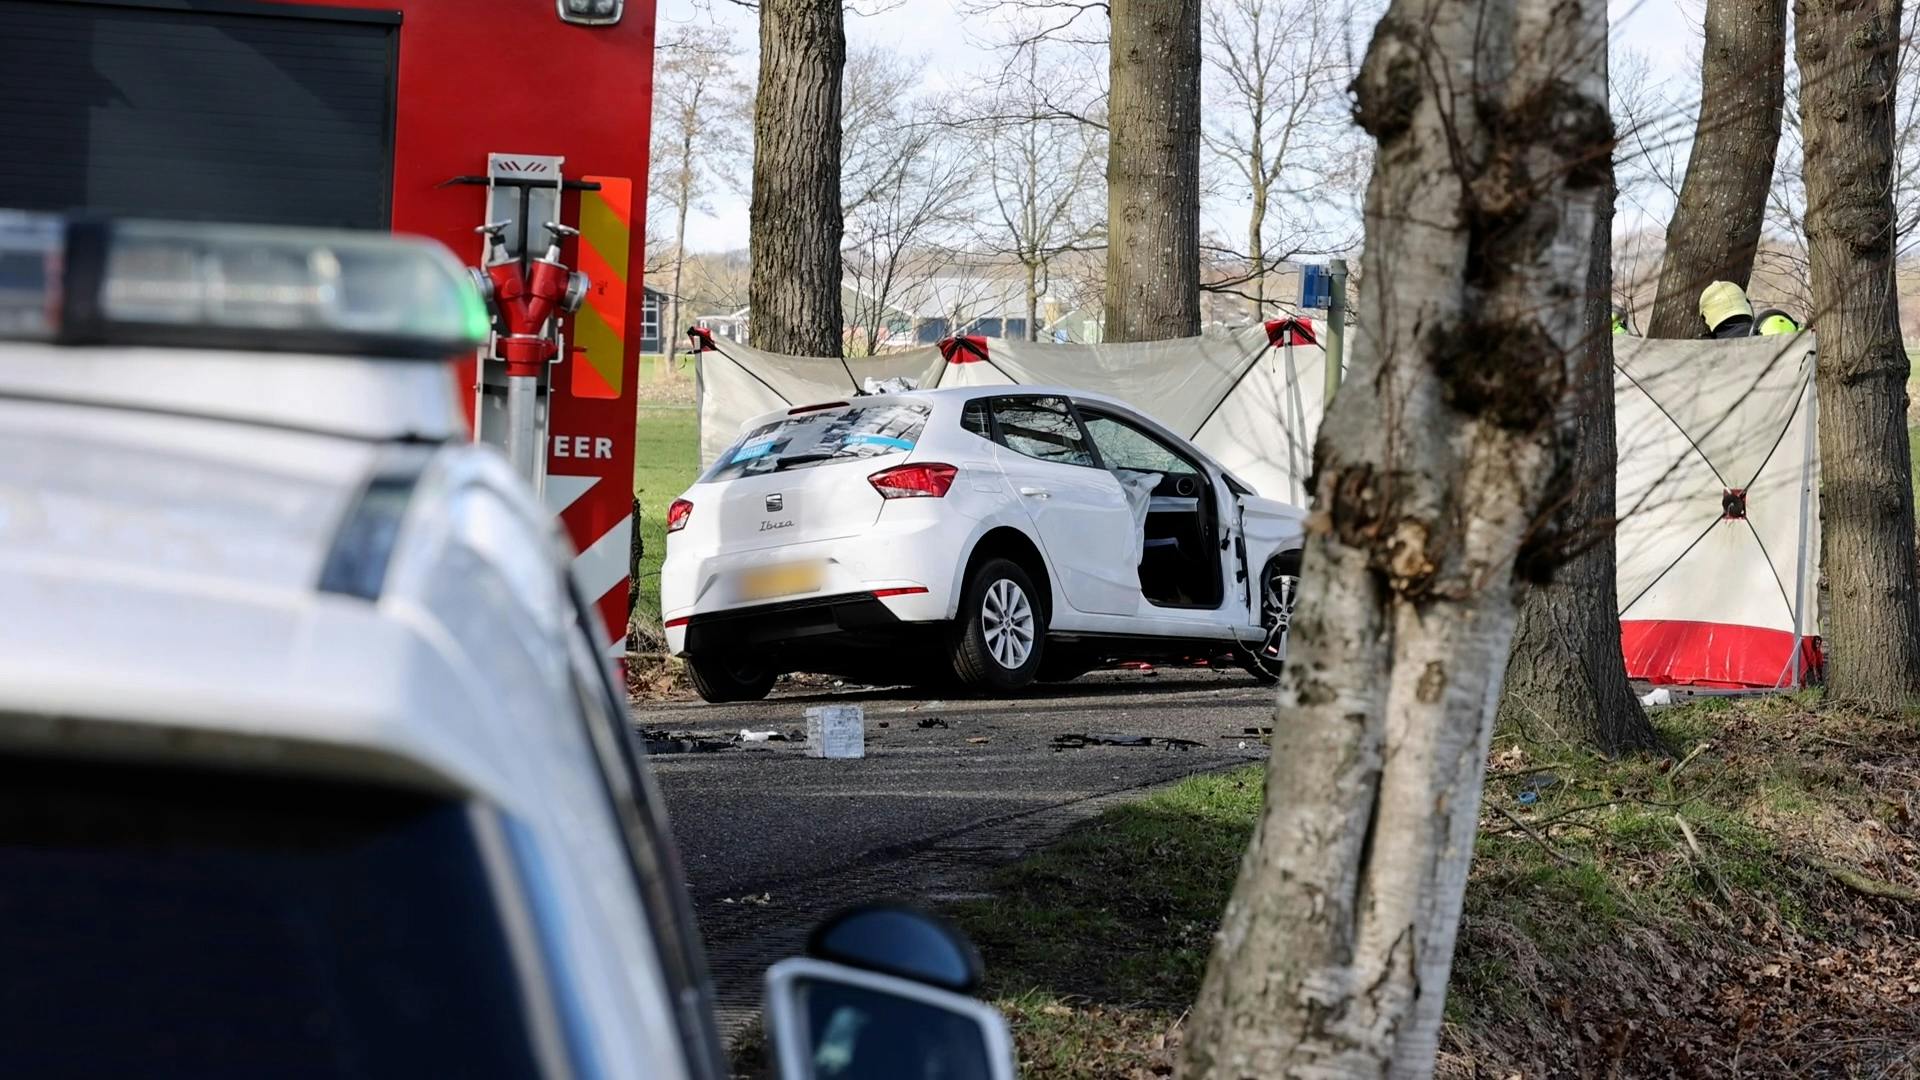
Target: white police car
309	762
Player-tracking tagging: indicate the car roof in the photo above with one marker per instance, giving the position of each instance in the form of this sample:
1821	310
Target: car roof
947	394
366	398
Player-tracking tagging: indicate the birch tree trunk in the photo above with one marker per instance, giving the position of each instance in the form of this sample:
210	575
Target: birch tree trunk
1494	141
1566	673
1715	230
1153	171
795	288
1869	609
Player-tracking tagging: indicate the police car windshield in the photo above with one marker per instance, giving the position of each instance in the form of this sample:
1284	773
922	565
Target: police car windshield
206	924
852	433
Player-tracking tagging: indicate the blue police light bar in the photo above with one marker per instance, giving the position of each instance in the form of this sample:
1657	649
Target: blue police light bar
76	281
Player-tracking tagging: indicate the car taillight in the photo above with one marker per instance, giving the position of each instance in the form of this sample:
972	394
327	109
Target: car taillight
677	515
913	481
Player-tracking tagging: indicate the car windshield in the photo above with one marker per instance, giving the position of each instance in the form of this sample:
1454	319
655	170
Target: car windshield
213	923
852	433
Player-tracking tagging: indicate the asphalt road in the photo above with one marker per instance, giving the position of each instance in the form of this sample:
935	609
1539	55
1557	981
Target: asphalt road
764	818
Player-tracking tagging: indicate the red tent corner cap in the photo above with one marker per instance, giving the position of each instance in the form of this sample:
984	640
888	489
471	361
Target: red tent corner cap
1293	330
702	338
970	349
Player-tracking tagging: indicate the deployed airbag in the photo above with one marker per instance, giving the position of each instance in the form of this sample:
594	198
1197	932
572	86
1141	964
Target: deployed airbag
1138	487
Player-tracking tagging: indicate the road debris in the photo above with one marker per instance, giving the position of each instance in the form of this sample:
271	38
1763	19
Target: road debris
1080	742
977	740
836	731
685	742
934	722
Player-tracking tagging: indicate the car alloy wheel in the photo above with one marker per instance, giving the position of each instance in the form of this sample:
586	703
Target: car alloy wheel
1007	623
1281	592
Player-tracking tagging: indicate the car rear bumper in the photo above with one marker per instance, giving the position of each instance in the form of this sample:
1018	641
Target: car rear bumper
909	557
839	621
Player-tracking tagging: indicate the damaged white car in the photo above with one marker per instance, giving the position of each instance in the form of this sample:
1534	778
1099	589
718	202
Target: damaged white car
995	535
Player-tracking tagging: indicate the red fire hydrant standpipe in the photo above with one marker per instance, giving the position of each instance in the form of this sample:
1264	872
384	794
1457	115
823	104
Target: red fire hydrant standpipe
529	304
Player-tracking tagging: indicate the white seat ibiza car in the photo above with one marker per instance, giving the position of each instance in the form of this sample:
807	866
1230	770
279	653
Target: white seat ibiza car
996	535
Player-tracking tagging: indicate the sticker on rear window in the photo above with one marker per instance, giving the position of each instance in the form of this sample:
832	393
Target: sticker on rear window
887	441
817	438
753	450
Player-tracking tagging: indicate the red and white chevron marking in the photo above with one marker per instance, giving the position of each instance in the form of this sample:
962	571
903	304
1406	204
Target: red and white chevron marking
601	565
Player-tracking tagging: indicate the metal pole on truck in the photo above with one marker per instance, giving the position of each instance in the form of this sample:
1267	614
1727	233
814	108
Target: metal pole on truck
523	427
1336	325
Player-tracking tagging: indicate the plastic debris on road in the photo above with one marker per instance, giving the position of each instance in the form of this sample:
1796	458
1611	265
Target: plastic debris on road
1080	742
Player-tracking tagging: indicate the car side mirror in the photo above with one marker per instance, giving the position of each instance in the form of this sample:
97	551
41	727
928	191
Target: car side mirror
828	1021
894	939
882	994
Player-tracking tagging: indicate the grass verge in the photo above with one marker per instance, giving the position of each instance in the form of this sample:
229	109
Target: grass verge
666	460
1747	905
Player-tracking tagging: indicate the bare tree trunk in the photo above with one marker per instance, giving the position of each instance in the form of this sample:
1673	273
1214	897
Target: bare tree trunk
1033	302
1153	171
1494	137
1566	672
1869	607
1723	200
671	331
795	290
1257	245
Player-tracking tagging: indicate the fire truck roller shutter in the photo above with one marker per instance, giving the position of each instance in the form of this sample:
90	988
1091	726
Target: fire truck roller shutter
274	114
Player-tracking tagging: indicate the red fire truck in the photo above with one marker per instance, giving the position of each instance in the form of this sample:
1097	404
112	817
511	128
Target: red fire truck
434	117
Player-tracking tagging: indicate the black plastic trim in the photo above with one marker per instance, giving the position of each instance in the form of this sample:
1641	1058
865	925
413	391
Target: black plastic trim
785	623
363	544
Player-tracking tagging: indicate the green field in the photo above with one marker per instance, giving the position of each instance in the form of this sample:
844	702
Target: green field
653	367
666	460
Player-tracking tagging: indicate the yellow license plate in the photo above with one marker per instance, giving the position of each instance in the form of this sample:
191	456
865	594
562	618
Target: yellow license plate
772	581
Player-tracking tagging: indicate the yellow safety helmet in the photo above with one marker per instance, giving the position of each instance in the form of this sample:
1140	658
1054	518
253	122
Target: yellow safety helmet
1721	301
1775	321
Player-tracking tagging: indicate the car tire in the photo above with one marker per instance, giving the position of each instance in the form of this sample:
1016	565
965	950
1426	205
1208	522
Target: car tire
1279	591
1001	632
722	679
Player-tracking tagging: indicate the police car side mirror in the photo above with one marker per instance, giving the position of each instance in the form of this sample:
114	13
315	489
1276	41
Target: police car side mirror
828	1021
894	939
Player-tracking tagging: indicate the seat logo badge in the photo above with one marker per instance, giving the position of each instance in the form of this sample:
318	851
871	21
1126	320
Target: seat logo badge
776	503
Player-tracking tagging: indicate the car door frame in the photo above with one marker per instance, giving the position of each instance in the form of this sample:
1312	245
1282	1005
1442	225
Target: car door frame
1128	595
1239	605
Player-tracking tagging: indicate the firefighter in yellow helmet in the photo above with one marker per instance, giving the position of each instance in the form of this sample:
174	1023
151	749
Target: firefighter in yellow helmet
1774	321
1726	310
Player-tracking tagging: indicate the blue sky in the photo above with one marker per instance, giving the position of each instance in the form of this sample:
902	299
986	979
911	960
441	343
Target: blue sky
1666	32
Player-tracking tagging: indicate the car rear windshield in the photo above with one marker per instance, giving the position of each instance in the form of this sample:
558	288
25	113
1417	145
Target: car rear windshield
817	438
208	924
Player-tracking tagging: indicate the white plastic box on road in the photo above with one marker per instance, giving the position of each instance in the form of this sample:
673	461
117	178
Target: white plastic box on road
836	731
